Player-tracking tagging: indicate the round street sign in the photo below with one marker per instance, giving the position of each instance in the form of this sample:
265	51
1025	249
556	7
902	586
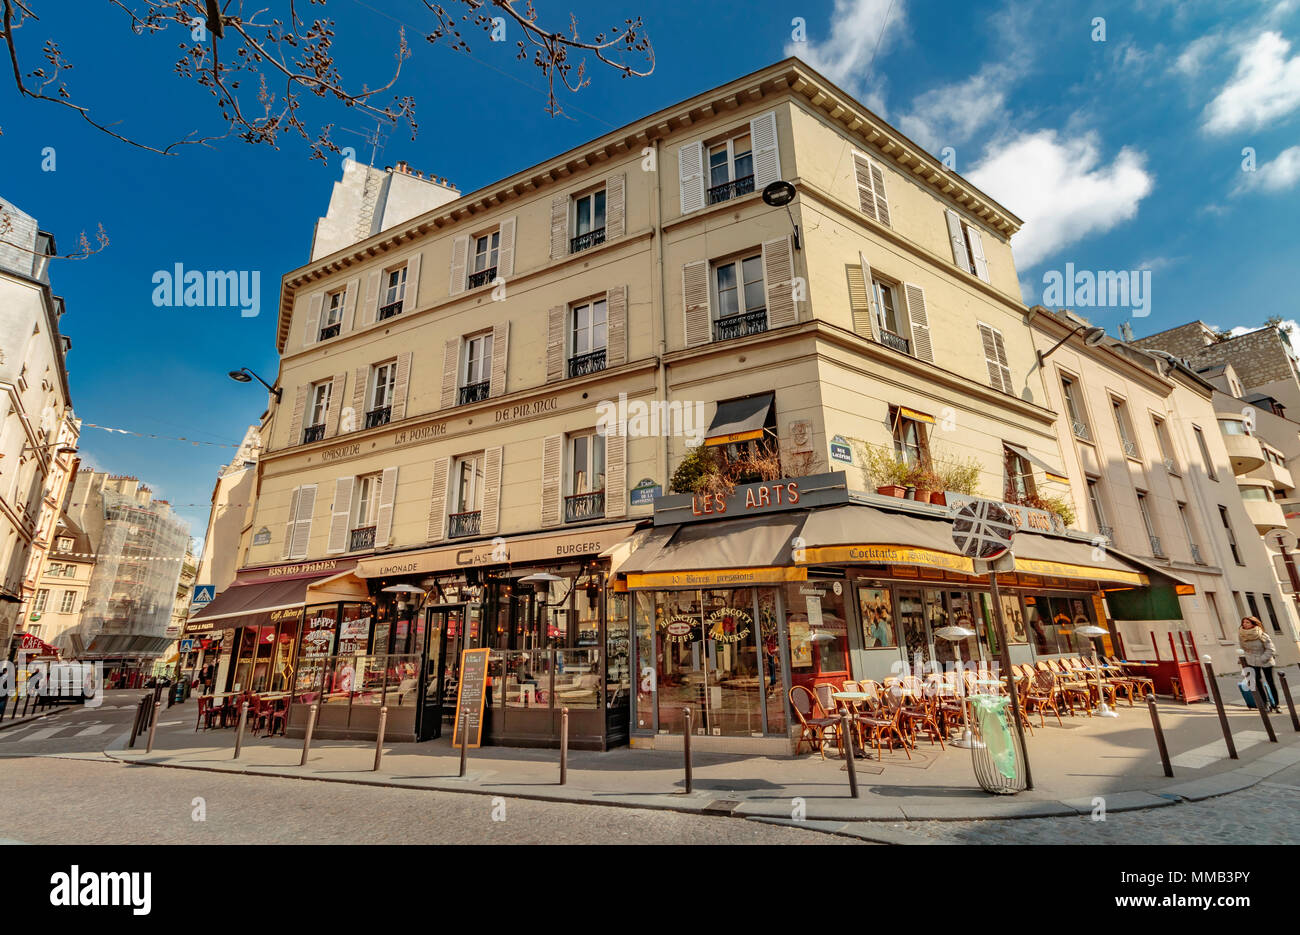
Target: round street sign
983	529
1279	539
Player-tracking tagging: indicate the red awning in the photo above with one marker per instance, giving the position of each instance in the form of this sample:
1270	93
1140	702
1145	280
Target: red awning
31	643
246	605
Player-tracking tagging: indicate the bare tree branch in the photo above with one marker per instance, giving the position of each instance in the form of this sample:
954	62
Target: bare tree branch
84	248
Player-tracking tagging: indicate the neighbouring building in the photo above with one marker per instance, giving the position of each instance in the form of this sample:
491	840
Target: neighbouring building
60	589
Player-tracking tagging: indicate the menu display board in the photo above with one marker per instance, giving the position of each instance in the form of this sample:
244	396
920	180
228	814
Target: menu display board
470	696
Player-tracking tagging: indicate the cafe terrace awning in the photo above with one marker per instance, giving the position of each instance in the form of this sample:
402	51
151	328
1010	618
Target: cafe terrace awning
728	553
246	605
740	420
1052	473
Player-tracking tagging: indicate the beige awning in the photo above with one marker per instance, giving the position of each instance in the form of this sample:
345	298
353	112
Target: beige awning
1052	473
728	553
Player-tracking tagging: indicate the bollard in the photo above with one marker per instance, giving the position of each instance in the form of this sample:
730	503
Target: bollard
1286	692
464	743
379	740
306	737
153	726
1160	735
239	730
564	745
1261	702
1218	703
850	760
135	723
686	748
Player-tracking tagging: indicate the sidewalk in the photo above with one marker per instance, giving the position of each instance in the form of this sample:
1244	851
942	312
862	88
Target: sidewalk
1115	758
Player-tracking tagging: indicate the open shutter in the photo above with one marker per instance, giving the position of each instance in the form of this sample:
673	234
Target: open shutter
778	276
506	255
339	515
490	518
401	387
878	183
500	354
980	262
959	254
295	420
920	320
552	472
302	522
360	377
560	226
616	317
288	525
311	334
450	364
767	159
366	313
411	298
438	500
862	298
995	358
615	206
555	344
384	518
459	258
866	191
349	322
615	475
690	166
695	302
336	404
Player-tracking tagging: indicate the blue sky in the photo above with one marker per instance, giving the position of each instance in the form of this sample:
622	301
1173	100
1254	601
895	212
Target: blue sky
1121	154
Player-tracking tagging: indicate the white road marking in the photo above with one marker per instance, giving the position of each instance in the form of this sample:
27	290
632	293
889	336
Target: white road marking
1212	753
92	729
42	734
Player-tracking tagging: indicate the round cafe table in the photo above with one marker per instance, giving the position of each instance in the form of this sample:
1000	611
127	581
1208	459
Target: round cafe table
853	698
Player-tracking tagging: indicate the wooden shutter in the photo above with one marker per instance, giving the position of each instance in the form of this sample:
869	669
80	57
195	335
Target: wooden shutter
340	515
959	254
459	259
500	354
560	226
555	344
690	166
302	521
450	364
438	500
616	317
506	254
878	182
295	419
552	472
778	277
767	158
995	358
615	206
978	259
360	377
920	320
862	298
411	298
387	499
288	525
349	322
312	332
490	518
695	303
336	404
866	190
615	475
370	307
401	387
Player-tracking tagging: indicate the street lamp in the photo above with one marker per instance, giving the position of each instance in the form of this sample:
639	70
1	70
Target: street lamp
779	194
955	635
1091	631
244	375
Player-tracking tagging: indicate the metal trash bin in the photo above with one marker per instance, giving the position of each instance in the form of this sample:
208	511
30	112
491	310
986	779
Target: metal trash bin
999	758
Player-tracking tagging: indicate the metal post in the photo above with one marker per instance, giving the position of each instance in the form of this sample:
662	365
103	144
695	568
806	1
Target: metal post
1160	735
1286	693
686	747
564	745
135	724
306	737
153	726
239	731
379	740
1004	658
1218	703
464	727
849	759
1261	702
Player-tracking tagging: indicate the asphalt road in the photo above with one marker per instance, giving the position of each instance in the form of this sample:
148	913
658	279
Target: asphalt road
78	728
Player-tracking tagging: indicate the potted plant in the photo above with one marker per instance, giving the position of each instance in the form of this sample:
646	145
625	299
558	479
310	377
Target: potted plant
928	484
885	471
956	476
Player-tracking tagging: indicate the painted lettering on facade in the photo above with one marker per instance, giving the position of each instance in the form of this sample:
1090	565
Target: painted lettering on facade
524	410
342	451
421	433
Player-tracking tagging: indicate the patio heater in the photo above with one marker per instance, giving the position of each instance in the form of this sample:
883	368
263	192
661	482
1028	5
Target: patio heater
955	635
1092	631
541	582
404	591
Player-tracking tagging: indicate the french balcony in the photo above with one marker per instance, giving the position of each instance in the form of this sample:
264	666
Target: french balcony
329	331
473	393
1107	532
738	326
1130	449
583	364
482	278
1157	549
1080	430
584	506
589	239
313	433
733	189
1265	515
363	537
1196	554
378	416
463	524
391	310
1244	453
897	342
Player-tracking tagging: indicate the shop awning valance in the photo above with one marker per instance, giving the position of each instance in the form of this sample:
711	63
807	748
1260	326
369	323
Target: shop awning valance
730	553
739	420
1052	473
251	604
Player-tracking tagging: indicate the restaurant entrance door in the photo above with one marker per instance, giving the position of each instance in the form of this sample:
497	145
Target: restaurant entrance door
445	626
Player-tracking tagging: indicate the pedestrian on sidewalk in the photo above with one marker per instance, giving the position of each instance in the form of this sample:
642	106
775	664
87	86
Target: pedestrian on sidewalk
1257	646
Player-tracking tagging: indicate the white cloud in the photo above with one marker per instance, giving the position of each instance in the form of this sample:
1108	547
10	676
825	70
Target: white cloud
1264	87
1193	58
1061	189
950	115
858	29
1276	176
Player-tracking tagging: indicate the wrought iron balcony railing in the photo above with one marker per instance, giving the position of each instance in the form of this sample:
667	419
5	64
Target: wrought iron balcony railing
363	537
483	277
378	416
1080	430
1156	548
737	326
313	433
589	239
474	392
897	342
1196	554
584	506
732	189
1130	449
329	331
1107	532
389	310
583	364
463	524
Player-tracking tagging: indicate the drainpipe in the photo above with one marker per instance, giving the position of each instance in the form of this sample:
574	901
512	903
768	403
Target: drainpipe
661	323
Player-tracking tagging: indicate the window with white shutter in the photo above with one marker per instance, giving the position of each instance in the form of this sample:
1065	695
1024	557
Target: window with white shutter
387	504
870	179
331	323
317	411
585	478
588	219
690	167
484	257
467	491
306	505
392	296
340	513
995	357
919	320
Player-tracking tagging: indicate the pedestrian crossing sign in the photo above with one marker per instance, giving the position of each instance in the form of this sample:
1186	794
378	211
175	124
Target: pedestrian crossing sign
203	595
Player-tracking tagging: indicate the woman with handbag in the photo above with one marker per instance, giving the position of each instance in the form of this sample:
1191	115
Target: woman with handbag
1257	646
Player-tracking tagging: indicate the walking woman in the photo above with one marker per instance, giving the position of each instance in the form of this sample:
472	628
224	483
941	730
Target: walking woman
1258	648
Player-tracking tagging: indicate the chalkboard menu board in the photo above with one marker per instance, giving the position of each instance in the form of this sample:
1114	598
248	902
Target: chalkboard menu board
470	696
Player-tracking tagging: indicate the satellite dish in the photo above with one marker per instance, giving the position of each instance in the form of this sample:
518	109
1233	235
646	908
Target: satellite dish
1094	336
983	529
778	194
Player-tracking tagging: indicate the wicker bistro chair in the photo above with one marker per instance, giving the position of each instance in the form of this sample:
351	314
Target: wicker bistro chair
885	722
813	721
1089	675
1144	686
1041	694
920	714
